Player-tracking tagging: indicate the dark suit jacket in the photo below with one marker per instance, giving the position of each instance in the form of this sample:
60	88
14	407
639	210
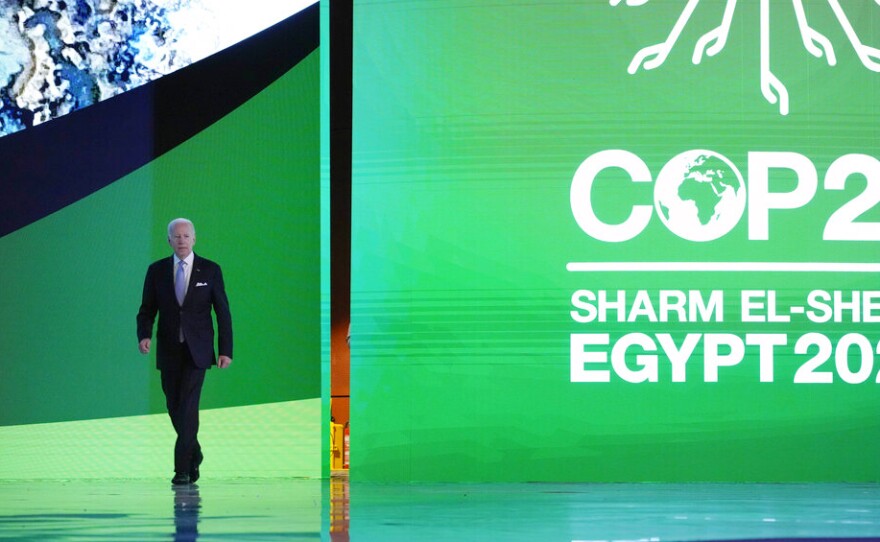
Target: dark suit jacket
204	292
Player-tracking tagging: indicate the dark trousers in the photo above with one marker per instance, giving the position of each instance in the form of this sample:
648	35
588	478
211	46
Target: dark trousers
182	384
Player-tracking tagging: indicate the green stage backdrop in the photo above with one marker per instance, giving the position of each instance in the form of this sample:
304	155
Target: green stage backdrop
616	241
76	397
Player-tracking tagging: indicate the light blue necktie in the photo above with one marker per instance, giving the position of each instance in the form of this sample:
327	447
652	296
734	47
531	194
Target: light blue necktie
180	282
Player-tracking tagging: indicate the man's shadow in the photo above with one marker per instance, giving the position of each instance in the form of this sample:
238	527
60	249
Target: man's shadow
187	505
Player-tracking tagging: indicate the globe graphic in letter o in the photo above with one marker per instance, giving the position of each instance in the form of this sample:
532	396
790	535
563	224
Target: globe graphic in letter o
699	195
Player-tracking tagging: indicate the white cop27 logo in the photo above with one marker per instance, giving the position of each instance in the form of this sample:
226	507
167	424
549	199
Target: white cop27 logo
711	43
700	195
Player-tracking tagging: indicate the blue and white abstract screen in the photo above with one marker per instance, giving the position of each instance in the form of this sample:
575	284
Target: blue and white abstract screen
58	56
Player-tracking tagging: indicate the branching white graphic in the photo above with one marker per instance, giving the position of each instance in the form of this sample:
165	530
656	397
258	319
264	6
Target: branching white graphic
868	55
769	82
719	36
661	50
811	37
711	43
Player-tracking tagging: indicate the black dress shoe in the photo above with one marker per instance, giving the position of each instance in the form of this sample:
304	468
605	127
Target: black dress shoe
194	469
180	479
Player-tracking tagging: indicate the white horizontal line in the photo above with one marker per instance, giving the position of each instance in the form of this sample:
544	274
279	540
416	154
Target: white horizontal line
784	267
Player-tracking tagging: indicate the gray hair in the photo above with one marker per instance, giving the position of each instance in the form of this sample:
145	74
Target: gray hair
176	221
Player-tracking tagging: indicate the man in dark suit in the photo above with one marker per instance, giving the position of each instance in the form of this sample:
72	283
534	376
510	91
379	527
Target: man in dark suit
183	289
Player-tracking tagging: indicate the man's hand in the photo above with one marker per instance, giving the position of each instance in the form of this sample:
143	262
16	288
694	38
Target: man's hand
224	362
144	346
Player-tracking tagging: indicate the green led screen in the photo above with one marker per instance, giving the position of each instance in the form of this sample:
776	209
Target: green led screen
616	241
77	400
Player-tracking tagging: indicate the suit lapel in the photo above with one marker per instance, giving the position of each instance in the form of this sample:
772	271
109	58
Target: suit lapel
193	277
167	277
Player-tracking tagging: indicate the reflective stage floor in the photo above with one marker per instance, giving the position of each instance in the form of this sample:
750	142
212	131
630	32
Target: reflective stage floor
334	510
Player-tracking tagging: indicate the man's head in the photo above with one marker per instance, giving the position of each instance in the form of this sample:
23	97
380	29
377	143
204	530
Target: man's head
181	237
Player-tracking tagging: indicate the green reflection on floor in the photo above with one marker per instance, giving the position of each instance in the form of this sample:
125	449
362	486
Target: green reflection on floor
338	511
255	509
579	512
